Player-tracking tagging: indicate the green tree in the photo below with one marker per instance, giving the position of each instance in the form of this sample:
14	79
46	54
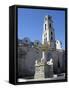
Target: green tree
45	47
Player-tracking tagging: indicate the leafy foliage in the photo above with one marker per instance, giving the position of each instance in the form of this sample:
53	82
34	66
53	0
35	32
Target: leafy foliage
45	47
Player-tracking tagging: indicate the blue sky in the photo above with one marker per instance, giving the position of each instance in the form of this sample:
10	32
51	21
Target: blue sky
30	23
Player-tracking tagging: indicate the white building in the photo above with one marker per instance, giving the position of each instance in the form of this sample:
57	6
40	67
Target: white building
48	35
58	44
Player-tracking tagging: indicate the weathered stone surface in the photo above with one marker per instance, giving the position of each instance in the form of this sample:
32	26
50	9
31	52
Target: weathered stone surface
26	61
59	60
48	71
28	55
39	69
39	72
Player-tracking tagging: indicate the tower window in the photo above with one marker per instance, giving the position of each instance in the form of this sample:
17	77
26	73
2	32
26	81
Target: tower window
46	39
46	33
50	25
51	38
51	33
49	17
45	26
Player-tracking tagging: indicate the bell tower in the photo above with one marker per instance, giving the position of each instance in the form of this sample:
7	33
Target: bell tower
48	35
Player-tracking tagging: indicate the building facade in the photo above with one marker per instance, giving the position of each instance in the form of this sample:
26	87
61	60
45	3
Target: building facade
48	35
28	54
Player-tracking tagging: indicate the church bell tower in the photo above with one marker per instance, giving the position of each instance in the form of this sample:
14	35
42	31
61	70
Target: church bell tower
48	35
